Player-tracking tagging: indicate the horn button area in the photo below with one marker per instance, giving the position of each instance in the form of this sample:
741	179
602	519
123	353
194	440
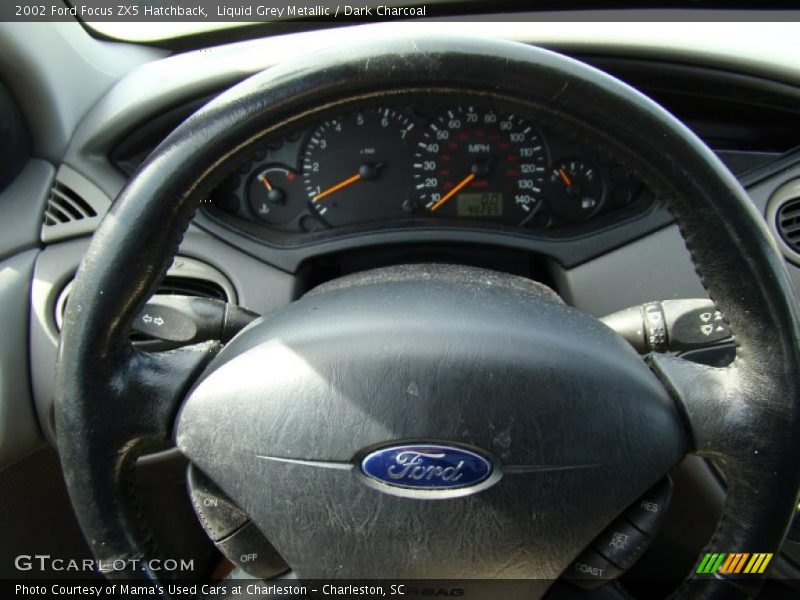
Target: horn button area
430	422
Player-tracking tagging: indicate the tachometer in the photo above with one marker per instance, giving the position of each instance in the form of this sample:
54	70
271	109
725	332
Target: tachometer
480	164
357	167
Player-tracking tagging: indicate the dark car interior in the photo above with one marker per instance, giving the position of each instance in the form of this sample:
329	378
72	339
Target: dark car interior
444	302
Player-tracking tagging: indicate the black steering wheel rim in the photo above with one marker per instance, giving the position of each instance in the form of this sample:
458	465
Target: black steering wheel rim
99	373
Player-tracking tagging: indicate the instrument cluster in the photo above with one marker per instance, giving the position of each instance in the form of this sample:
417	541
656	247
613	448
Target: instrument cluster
425	163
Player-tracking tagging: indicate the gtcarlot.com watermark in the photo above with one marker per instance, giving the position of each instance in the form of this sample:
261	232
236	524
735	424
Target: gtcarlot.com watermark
45	563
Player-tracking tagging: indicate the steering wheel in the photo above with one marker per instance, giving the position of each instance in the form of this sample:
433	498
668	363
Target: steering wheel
557	424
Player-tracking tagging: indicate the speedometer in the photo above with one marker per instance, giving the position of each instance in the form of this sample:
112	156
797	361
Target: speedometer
473	163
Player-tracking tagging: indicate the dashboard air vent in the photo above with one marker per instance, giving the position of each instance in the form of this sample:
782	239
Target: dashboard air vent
788	223
74	208
64	205
783	218
201	288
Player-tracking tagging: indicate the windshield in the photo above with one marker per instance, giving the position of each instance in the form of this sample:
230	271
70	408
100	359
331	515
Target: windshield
153	32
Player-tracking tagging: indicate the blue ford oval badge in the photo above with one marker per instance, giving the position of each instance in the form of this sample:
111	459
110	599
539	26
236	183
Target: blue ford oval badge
429	468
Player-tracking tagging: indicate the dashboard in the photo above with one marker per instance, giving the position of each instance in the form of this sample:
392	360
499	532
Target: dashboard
420	162
585	205
590	228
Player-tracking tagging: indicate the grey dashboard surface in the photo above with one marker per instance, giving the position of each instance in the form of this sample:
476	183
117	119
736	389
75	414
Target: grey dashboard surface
58	72
19	432
22	205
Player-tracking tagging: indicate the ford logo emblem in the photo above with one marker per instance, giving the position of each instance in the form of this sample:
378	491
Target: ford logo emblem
428	469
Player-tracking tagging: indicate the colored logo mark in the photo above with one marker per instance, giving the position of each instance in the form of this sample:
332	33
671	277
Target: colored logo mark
730	563
426	466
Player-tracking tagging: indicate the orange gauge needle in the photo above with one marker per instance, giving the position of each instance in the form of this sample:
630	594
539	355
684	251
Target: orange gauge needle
266	182
458	187
337	187
564	177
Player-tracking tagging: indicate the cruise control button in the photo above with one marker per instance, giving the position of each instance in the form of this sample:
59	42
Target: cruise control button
250	551
622	543
648	512
218	514
590	570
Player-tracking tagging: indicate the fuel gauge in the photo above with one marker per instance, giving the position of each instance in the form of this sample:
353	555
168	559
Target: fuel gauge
276	194
576	189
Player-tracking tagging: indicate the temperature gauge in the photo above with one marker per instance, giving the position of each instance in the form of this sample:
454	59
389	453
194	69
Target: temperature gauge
576	189
276	194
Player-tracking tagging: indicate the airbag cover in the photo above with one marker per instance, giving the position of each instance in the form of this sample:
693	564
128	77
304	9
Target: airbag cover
574	425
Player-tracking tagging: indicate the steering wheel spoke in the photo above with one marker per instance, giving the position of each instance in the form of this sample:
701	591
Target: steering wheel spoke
718	408
107	429
140	401
156	384
721	405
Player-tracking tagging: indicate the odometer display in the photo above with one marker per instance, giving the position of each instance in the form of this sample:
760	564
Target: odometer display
480	164
480	205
